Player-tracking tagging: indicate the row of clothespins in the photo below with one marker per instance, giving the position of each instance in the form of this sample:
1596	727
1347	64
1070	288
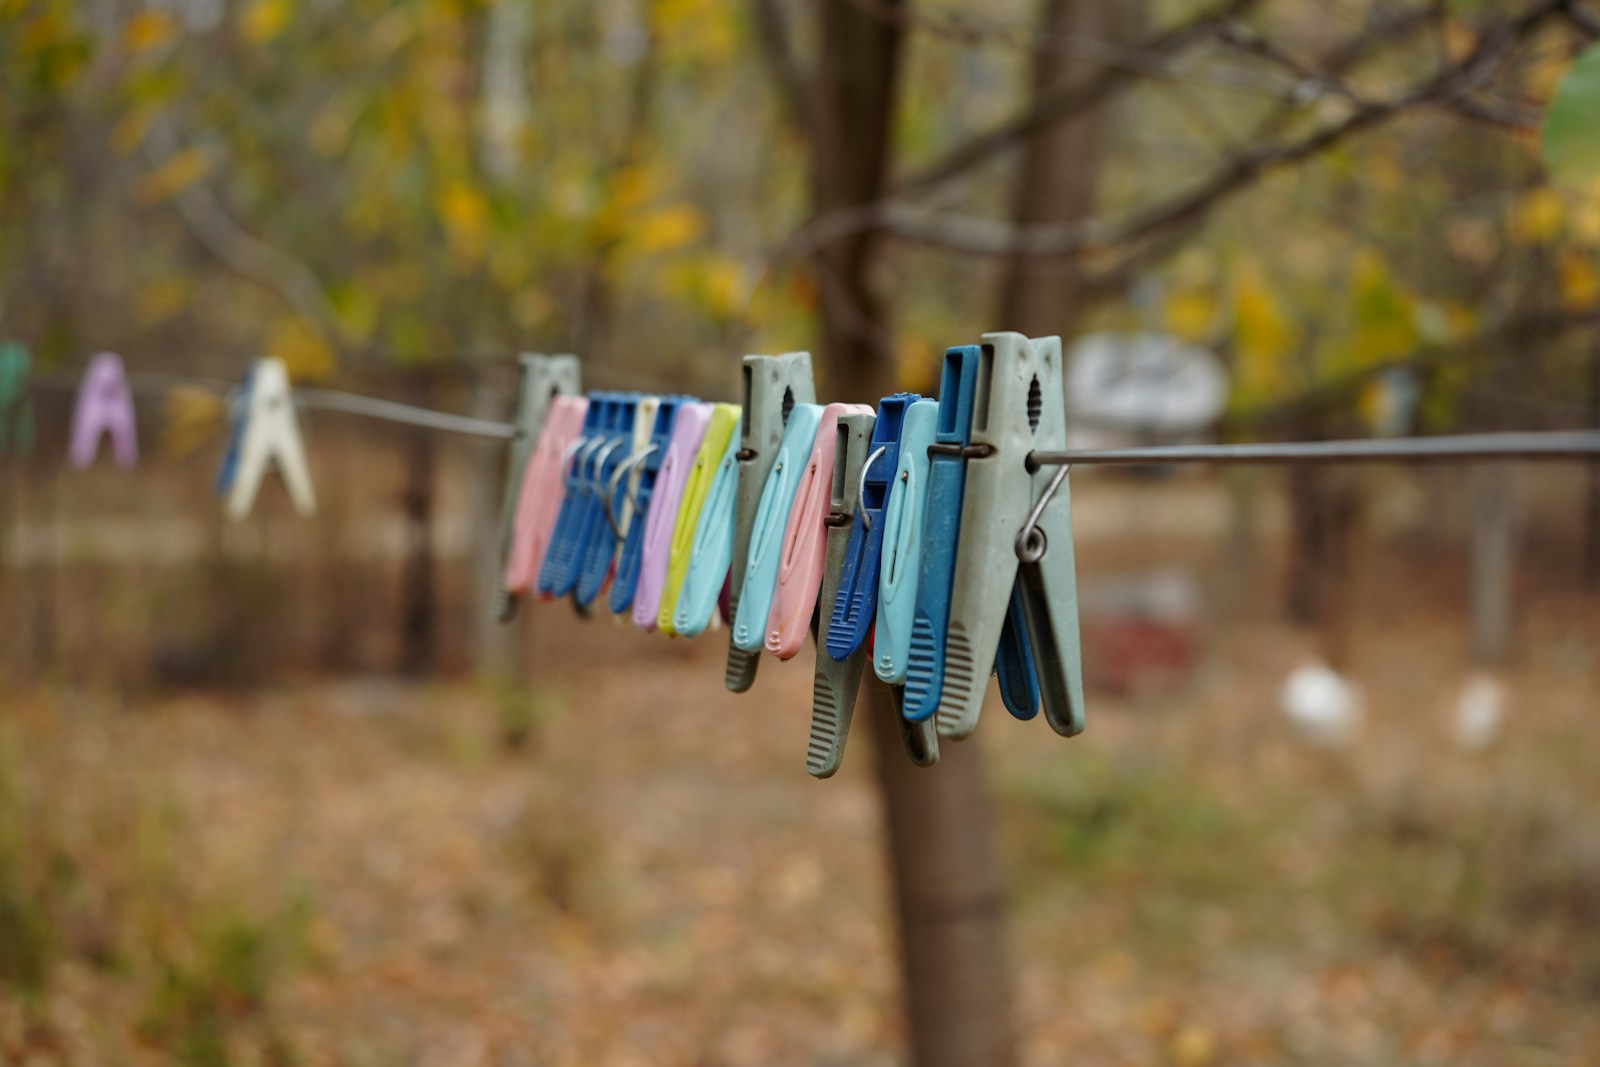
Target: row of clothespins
264	427
921	535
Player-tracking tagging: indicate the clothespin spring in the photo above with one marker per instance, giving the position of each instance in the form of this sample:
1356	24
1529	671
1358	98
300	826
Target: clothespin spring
616	480
1031	543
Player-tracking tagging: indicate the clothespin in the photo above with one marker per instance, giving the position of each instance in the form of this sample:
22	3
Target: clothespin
838	681
773	387
800	565
600	540
942	527
902	544
540	378
649	452
855	610
624	484
721	429
539	499
765	550
266	430
541	495
16	405
104	406
705	566
688	430
1011	512
582	532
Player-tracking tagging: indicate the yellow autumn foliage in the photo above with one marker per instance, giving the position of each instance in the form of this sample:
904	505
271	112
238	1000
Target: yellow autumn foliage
306	354
176	174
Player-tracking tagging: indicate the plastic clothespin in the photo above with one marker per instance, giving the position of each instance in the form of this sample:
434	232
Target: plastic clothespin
773	387
625	490
269	432
540	379
105	406
711	549
942	528
688	430
838	681
803	551
718	443
1022	407
759	580
649	453
902	544
16	405
582	535
539	499
855	609
599	538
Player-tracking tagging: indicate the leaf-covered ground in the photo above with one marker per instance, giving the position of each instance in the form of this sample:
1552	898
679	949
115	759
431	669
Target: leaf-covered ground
629	866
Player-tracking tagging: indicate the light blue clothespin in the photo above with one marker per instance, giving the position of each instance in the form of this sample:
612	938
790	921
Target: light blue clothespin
902	544
766	533
713	547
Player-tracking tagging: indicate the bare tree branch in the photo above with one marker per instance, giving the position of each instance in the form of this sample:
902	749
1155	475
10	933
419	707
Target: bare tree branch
1069	101
240	251
1446	88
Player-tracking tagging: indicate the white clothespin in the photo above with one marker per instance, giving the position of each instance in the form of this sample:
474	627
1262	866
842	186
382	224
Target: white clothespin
270	433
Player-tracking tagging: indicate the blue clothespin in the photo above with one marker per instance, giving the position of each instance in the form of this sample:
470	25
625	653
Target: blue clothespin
649	466
599	537
852	614
563	559
926	664
766	534
238	415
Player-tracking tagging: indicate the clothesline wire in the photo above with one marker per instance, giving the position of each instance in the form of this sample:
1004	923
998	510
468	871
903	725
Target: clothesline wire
1527	445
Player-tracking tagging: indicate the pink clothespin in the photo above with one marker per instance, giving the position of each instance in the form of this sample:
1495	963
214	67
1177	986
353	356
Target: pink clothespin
105	406
539	502
804	546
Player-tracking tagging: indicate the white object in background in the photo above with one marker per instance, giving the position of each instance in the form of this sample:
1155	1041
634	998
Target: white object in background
271	433
1324	708
1144	380
1480	713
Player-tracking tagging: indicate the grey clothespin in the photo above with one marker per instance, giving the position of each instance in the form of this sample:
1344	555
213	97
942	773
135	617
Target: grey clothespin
773	385
833	694
1011	512
539	377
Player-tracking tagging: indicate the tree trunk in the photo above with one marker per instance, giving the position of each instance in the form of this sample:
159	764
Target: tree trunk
419	602
947	886
1060	164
